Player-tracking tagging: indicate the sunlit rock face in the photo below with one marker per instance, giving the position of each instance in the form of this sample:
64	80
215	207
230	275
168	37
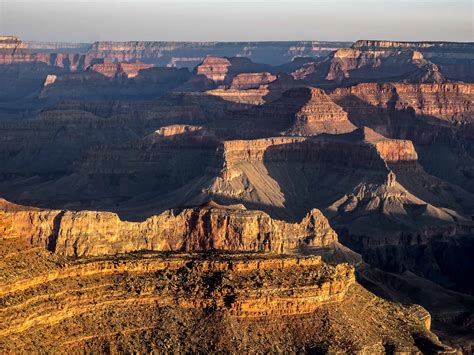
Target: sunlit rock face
206	197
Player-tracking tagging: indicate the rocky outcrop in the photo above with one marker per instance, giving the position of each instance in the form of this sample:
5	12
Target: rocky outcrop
251	80
223	70
381	61
393	108
262	89
454	59
132	70
50	79
174	130
352	65
371	148
215	69
362	174
110	81
107	69
85	303
301	111
13	50
319	115
89	233
452	102
111	70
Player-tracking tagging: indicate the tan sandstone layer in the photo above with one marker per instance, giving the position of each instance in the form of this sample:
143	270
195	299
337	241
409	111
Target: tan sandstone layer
89	233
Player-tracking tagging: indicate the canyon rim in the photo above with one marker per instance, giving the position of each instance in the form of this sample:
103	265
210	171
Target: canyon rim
262	196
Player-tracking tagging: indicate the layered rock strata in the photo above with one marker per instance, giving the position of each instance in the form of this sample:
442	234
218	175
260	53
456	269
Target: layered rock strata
90	233
111	81
300	111
87	303
188	54
454	59
423	113
381	65
451	102
258	91
251	80
224	70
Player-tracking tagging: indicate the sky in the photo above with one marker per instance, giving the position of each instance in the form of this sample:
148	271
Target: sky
237	20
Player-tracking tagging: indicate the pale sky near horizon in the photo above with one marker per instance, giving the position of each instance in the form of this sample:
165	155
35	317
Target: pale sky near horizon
237	20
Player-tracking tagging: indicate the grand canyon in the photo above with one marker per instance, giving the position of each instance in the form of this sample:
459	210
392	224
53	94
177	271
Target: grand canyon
262	197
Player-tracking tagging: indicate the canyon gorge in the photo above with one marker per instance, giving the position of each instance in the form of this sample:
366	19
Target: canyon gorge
288	197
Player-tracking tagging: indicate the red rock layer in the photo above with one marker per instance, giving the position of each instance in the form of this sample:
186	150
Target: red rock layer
449	101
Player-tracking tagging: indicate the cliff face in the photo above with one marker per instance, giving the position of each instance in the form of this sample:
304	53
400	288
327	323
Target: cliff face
395	109
129	70
256	88
299	111
13	50
189	54
110	81
223	70
51	142
454	60
352	65
320	115
251	80
90	233
358	171
382	61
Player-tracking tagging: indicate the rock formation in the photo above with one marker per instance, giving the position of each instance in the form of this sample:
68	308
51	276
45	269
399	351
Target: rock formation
353	65
424	113
90	233
300	111
116	81
455	60
136	185
223	70
320	115
188	54
451	102
256	88
111	70
87	303
251	80
13	50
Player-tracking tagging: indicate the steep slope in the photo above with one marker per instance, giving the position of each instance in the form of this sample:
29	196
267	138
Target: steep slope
256	88
354	65
236	302
224	70
210	227
103	82
299	111
454	59
189	54
372	189
437	118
